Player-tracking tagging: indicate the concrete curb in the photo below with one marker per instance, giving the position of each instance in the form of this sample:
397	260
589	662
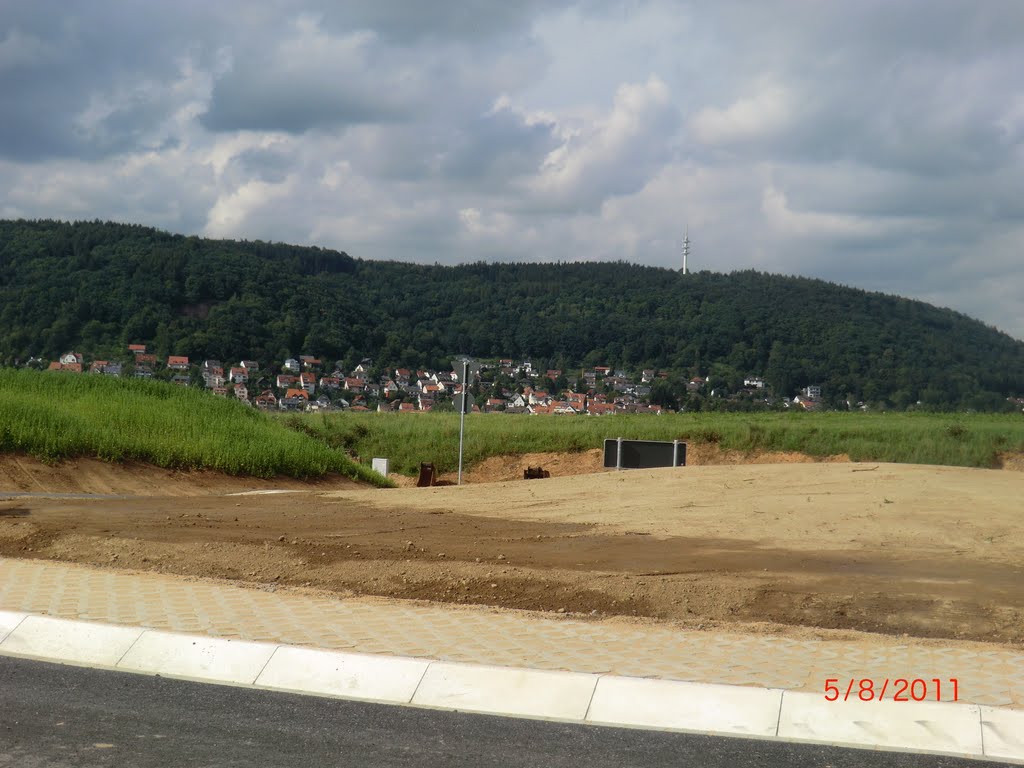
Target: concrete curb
963	730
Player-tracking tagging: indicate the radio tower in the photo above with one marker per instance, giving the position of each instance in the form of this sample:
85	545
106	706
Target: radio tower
686	248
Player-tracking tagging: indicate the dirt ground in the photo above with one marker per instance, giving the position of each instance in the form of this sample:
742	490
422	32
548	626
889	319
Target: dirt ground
28	475
896	549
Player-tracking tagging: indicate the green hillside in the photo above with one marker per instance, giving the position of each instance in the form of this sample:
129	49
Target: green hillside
55	417
96	287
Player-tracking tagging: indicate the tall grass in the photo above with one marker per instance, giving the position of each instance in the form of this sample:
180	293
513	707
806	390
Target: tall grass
60	415
971	440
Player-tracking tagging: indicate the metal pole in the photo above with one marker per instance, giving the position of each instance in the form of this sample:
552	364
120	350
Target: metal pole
675	453
618	455
462	414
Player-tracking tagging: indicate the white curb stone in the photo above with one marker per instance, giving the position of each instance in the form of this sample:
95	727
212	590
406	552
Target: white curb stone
205	658
504	691
928	726
350	675
964	729
1003	732
77	642
685	706
8	621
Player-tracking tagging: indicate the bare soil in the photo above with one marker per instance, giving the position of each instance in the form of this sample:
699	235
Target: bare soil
924	551
500	468
28	475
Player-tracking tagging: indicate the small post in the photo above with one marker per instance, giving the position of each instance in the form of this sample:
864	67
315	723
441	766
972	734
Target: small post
675	453
462	414
618	455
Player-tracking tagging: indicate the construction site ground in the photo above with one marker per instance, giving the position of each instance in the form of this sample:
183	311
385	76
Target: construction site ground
796	550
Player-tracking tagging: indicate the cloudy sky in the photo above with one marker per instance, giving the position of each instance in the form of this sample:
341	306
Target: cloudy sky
877	143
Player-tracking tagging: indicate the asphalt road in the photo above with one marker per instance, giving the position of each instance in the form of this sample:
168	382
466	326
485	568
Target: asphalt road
61	716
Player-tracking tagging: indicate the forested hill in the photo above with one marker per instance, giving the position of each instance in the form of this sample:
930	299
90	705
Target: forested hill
96	287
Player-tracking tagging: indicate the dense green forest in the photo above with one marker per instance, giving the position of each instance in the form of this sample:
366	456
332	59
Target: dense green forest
95	287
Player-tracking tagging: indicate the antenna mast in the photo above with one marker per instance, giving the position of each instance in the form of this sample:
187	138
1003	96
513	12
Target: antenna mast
686	247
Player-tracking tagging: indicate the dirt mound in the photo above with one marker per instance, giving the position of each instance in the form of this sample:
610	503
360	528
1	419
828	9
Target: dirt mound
498	469
1011	460
25	474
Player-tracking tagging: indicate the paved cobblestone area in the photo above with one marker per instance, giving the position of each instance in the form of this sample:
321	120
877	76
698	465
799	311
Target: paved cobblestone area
992	676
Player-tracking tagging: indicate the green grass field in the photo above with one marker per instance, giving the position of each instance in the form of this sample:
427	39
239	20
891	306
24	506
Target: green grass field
969	440
53	416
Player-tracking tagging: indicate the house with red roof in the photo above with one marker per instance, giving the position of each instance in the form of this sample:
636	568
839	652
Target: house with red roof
307	381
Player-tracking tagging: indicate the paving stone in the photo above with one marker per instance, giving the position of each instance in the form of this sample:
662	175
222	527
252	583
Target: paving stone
992	677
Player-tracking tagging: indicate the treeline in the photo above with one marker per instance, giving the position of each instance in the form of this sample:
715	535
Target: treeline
95	287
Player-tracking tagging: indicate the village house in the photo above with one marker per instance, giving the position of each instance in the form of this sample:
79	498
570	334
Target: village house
266	400
310	363
330	382
578	401
59	366
137	349
242	392
250	365
284	381
308	382
617	383
70	358
322	403
177	363
239	375
291	364
293	400
807	403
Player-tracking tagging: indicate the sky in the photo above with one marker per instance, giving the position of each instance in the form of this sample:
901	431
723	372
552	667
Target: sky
876	144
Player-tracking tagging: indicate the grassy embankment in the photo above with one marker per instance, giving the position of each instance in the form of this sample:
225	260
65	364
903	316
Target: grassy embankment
54	416
970	440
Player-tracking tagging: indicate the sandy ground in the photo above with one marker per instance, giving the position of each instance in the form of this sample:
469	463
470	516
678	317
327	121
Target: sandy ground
924	551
